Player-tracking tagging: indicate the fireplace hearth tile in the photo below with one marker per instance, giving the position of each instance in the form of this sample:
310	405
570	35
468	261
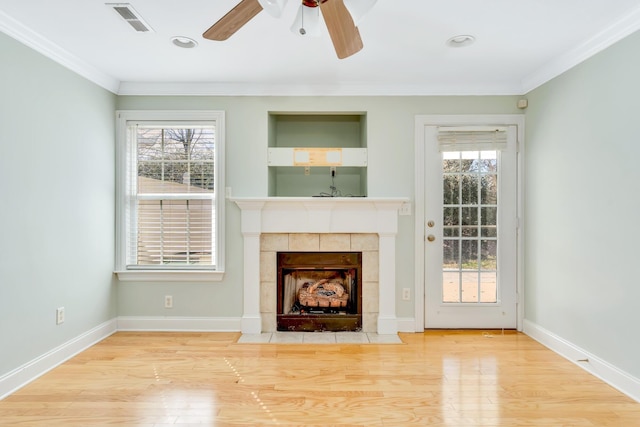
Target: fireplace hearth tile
268	297
351	338
364	242
287	337
335	242
370	266
370	297
269	322
304	242
319	338
369	322
267	266
274	242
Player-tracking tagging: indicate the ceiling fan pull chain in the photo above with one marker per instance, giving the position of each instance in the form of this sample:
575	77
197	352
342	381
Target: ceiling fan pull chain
302	30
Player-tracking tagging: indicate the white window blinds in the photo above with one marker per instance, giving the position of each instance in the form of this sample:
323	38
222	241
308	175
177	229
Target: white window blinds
172	198
472	138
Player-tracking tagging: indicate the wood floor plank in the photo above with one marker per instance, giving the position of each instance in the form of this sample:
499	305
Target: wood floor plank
437	378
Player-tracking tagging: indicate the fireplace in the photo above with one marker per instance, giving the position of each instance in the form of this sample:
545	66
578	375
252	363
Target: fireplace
319	291
319	224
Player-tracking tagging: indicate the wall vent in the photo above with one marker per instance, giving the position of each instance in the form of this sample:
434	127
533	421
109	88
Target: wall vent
128	13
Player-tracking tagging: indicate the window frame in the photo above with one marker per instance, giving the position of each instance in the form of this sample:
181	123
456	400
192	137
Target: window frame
124	155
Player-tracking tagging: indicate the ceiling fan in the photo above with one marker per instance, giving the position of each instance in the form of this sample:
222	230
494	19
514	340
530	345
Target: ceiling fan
340	17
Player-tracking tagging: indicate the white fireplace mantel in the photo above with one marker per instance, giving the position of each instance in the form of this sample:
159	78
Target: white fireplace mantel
320	215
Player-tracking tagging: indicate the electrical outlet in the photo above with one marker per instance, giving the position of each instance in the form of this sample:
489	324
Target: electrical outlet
59	315
332	171
405	209
307	170
406	294
168	301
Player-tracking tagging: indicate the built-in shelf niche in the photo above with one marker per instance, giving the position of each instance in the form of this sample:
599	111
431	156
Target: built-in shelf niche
293	132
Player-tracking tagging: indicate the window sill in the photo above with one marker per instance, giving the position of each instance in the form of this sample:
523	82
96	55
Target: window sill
169	276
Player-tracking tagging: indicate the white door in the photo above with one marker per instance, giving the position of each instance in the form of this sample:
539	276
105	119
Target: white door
470	227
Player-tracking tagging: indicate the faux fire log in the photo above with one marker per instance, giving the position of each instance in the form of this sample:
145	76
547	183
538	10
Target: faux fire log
323	293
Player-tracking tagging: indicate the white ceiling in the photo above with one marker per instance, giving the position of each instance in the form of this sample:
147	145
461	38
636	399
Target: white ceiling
520	45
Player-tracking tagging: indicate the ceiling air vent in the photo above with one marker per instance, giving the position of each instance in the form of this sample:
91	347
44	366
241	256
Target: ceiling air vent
128	13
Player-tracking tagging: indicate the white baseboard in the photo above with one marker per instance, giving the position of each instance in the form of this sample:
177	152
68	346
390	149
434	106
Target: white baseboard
608	373
179	324
407	324
251	324
39	366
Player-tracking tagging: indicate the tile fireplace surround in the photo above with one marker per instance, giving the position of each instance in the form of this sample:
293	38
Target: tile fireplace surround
367	225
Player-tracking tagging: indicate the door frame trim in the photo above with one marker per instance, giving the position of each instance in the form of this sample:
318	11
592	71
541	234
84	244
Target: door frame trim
421	121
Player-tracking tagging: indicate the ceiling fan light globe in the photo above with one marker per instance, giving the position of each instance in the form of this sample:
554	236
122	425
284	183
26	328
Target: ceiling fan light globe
273	7
307	22
359	8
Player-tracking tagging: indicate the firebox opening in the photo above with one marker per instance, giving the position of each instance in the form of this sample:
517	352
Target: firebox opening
319	291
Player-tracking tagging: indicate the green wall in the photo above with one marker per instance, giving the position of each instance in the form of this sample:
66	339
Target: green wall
57	196
582	206
390	172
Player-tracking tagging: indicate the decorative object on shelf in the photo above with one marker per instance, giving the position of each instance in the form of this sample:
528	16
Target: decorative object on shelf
317	156
303	156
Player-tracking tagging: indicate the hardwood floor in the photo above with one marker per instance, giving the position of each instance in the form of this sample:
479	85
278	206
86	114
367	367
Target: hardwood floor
439	378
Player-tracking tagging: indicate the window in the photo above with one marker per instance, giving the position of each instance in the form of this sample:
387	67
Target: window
170	217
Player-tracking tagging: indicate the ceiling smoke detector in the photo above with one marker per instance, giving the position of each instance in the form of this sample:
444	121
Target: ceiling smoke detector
462	40
128	13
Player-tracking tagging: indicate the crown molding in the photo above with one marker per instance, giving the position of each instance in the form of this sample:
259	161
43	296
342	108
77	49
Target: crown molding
35	41
622	28
625	26
337	89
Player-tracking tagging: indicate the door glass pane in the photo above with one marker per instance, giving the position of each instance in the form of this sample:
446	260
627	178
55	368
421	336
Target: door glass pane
489	221
450	231
488	288
489	189
451	189
469	286
451	254
469	215
451	216
450	286
489	215
488	254
469	190
470	227
469	254
451	164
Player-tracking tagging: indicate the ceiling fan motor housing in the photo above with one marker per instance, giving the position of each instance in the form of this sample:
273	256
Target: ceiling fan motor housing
312	3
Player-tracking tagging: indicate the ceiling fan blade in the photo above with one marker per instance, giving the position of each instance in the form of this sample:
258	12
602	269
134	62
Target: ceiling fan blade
342	30
233	20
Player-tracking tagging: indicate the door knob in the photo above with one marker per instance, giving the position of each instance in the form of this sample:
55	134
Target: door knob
431	237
